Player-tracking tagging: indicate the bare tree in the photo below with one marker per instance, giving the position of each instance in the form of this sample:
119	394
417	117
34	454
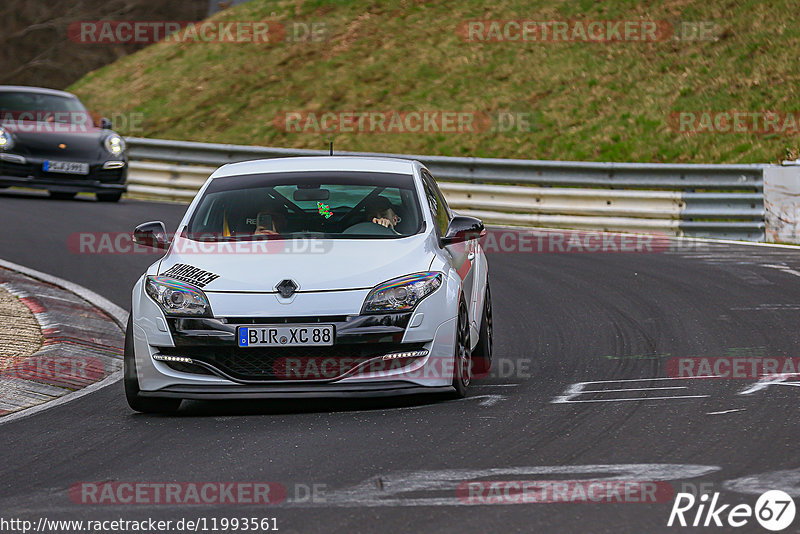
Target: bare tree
35	45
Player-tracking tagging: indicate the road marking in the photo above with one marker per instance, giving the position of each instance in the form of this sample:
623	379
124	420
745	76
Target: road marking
769	307
786	480
579	388
770	380
484	400
646	379
406	488
630	389
488	400
637	399
726	411
782	268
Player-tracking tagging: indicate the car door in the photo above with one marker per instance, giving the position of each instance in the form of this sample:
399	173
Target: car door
460	255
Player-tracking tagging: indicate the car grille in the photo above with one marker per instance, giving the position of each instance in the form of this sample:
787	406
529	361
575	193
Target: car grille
17	170
286	320
282	364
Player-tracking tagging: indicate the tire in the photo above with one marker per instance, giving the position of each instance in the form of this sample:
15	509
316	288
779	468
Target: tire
108	197
482	355
61	195
462	367
131	381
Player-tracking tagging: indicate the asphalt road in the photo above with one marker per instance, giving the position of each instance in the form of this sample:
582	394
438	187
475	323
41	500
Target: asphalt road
612	321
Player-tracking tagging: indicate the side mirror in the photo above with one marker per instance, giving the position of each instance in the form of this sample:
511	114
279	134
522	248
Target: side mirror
151	234
105	123
462	228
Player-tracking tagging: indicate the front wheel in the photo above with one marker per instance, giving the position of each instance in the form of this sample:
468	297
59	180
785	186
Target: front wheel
482	355
131	381
462	366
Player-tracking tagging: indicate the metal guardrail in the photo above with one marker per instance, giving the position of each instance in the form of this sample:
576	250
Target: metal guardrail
722	201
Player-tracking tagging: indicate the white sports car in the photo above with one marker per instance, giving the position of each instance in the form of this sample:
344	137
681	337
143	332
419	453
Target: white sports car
320	276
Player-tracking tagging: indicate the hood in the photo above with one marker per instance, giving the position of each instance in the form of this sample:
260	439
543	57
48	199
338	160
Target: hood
43	139
318	265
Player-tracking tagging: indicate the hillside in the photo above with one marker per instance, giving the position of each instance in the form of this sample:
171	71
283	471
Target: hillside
572	99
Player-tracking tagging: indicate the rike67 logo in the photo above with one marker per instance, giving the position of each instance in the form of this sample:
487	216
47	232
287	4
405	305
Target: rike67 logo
774	510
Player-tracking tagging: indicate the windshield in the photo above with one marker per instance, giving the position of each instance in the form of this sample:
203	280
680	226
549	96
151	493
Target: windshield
343	205
39	107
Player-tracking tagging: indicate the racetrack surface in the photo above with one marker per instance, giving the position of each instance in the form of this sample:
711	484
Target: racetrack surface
614	319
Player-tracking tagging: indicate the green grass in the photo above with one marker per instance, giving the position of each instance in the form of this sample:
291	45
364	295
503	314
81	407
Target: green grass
585	101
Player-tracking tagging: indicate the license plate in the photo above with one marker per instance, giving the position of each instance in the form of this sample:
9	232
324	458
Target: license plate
66	167
298	335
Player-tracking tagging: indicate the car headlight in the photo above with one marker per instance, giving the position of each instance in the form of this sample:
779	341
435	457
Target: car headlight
6	142
114	144
176	297
402	294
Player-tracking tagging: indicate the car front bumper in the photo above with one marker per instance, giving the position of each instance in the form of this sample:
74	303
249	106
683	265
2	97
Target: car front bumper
30	174
345	390
211	363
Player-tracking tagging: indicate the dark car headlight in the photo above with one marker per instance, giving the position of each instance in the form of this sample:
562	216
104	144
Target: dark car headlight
114	144
6	141
402	294
177	298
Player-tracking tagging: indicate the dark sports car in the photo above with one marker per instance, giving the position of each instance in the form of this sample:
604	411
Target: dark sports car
48	140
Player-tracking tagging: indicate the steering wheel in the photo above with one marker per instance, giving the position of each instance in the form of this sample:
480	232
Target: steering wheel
369	228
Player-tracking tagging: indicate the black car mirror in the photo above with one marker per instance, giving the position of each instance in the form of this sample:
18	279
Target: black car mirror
151	234
311	194
106	124
463	228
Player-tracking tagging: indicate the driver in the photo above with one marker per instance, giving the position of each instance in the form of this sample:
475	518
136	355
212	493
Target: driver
380	211
271	220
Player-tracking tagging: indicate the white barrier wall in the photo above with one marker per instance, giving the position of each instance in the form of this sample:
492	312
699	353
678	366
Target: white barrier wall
782	203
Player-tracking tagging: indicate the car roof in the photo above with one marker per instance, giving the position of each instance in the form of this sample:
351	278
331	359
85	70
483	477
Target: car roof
317	163
38	90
